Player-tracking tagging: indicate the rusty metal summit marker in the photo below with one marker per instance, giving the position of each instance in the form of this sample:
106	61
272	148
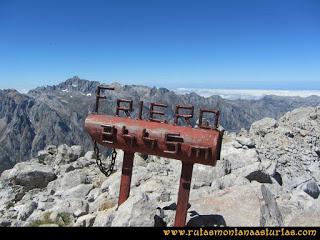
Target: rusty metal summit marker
154	136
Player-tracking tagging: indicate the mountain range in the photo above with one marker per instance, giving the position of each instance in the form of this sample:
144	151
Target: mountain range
55	114
267	176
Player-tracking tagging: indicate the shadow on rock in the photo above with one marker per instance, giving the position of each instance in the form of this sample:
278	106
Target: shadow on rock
173	207
213	220
158	222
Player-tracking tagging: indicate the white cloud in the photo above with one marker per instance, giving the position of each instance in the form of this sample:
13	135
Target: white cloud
24	91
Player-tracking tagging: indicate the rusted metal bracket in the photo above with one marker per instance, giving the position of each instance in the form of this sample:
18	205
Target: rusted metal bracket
216	121
173	142
186	117
140	110
183	195
127	109
98	96
153	112
126	176
109	133
147	139
195	151
130	138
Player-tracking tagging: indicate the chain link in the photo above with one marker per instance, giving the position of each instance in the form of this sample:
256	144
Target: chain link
105	170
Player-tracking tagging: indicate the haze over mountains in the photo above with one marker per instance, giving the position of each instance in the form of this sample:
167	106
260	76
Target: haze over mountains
249	94
55	114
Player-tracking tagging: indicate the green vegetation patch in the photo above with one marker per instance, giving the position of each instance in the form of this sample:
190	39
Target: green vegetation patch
63	219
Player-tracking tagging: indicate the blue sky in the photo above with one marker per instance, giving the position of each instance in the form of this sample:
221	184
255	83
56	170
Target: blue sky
265	44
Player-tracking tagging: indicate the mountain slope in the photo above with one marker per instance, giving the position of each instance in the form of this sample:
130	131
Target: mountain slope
56	114
235	114
268	176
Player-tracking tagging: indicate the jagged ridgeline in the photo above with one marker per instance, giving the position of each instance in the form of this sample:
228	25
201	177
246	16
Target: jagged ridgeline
55	114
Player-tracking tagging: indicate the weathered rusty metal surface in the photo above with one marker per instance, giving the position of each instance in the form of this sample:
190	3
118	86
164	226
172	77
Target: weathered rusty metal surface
216	122
193	145
153	112
186	117
98	95
183	195
126	176
154	136
126	109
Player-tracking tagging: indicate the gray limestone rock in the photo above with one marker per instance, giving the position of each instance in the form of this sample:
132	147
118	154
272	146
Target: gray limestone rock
104	218
26	210
85	221
269	210
79	191
311	188
71	206
138	210
32	175
245	141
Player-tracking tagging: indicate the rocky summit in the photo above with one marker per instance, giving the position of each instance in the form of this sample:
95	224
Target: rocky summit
267	176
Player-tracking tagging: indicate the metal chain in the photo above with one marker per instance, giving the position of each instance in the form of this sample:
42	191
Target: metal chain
106	171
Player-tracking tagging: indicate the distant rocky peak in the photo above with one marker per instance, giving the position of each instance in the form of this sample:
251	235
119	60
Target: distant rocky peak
75	80
12	94
77	84
9	92
115	83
